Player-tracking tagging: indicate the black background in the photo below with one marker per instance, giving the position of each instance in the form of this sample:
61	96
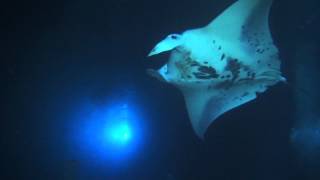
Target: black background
56	52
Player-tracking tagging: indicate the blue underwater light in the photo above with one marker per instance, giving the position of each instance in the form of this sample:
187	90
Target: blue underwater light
118	130
111	131
120	133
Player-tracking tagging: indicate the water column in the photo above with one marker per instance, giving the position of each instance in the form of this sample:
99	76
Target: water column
305	135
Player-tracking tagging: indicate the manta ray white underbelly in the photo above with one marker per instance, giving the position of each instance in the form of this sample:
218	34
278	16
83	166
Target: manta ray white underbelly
224	64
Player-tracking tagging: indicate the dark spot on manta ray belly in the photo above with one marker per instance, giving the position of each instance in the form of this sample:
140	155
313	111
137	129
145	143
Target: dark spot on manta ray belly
191	62
222	57
251	75
233	66
209	70
206	72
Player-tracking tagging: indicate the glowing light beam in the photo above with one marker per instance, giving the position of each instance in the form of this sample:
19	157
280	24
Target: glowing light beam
119	133
111	131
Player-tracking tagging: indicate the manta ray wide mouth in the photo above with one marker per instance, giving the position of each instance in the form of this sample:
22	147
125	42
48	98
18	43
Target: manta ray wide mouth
158	66
160	59
155	74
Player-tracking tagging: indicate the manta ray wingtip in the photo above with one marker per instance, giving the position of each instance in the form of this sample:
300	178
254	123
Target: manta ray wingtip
283	79
201	137
200	132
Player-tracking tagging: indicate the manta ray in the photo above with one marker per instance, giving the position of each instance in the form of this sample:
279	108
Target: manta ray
224	64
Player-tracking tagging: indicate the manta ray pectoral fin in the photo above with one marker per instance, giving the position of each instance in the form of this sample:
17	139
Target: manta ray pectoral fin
250	33
205	105
245	17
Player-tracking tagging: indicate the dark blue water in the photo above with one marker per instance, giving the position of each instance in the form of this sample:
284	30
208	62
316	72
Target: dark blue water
68	67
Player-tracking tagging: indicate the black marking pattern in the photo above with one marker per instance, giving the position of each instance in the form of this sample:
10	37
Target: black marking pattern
190	68
233	66
206	72
222	57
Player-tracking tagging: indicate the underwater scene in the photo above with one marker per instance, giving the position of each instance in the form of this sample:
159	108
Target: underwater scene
160	90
